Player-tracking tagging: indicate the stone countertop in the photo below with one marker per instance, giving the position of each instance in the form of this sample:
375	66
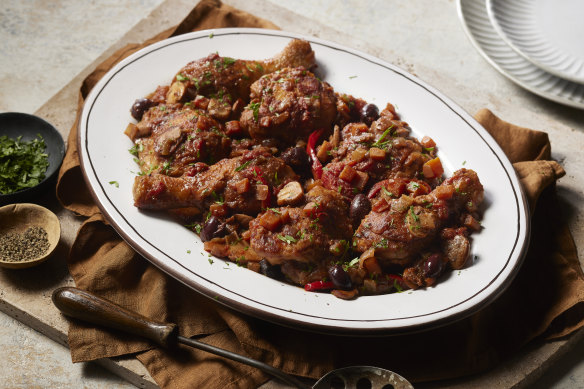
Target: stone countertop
45	45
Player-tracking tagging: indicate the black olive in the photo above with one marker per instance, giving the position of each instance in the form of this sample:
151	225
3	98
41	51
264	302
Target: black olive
140	106
369	113
360	207
213	228
433	266
269	270
297	158
339	277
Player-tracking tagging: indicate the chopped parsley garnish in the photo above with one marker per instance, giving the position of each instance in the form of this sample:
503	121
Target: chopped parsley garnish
388	193
227	61
397	286
380	143
255	107
137	148
22	164
166	167
242	166
218	198
180	77
288	238
414	216
114	183
382	244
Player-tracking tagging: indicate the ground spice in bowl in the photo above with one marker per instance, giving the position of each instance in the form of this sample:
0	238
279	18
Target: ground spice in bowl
31	244
29	235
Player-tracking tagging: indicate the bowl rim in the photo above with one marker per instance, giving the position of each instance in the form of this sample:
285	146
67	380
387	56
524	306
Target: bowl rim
54	233
52	169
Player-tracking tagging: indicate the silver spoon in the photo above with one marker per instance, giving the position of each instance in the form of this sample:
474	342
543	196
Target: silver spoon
91	308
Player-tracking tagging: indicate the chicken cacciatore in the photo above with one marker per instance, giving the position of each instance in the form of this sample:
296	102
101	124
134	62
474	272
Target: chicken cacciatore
280	173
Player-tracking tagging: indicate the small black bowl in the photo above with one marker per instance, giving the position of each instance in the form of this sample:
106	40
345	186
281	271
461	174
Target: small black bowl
15	124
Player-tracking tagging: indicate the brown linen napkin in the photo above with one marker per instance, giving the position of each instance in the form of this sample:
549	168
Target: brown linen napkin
546	298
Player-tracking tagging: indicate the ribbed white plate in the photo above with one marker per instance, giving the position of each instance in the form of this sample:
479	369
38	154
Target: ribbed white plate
549	33
482	34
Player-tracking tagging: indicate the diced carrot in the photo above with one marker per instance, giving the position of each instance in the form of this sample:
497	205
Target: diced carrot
433	168
360	180
358	155
377	153
270	220
427	142
347	174
444	192
201	102
323	150
219	210
242	186
233	128
380	205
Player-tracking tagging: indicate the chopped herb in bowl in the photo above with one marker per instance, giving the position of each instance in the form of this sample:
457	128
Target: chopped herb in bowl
22	164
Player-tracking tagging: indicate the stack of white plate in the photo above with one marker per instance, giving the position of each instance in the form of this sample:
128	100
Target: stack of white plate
538	44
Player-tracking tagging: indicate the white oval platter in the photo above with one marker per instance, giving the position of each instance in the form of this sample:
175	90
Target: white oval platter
497	251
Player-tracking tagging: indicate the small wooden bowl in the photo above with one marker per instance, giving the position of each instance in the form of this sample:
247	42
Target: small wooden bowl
16	218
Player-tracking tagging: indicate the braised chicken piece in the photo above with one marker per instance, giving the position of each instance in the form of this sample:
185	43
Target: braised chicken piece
309	233
228	79
361	156
288	105
244	184
173	138
399	228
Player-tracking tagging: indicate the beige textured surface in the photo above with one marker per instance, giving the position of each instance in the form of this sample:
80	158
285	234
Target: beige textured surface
421	36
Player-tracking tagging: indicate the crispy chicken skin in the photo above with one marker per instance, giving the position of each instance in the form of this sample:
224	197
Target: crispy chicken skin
231	78
178	137
309	234
288	105
245	184
398	228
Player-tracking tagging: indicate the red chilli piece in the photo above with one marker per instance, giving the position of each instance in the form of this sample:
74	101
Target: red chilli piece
311	150
318	285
